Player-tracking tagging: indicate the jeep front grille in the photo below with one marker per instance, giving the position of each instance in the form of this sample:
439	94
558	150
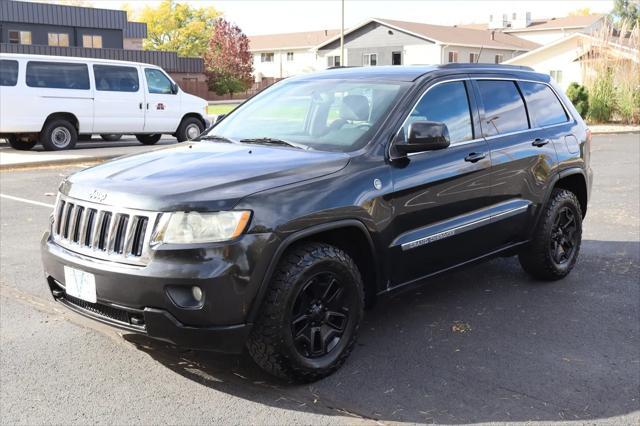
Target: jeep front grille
104	232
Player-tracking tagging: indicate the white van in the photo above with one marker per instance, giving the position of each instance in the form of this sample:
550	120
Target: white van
53	99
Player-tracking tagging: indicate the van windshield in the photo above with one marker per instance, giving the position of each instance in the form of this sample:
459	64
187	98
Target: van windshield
328	115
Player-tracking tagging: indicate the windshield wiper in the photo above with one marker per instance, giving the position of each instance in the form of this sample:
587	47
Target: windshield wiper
274	141
215	138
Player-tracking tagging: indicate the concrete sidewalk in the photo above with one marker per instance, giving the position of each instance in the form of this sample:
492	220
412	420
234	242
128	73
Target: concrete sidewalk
89	151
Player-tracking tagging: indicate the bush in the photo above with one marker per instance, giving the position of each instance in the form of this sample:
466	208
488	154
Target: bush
628	103
579	97
602	98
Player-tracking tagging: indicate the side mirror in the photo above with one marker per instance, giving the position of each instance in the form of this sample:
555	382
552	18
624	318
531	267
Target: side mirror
219	117
174	88
425	136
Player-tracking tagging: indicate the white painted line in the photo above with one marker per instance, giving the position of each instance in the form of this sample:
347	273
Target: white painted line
24	200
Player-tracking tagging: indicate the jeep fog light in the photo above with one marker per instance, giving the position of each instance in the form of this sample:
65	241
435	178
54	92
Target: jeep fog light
197	293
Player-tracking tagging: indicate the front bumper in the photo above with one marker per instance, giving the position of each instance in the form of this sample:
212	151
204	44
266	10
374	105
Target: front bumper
140	299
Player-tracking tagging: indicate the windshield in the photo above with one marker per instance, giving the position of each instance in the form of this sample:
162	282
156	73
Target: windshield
327	115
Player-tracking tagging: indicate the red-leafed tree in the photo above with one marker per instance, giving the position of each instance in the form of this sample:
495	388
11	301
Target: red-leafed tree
228	61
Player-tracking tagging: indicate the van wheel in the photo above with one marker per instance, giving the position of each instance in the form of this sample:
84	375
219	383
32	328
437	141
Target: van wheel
190	128
111	138
148	139
310	317
553	251
21	144
58	135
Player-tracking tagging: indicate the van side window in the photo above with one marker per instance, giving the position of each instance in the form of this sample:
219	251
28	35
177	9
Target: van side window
544	107
157	82
57	75
504	109
8	72
116	79
447	103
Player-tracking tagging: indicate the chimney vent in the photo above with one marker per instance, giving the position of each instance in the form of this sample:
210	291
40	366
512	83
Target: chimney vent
493	35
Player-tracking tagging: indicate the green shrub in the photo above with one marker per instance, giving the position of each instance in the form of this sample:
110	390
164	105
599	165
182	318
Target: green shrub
628	102
579	96
602	98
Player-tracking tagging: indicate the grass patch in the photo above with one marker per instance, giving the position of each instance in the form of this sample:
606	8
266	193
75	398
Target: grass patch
218	109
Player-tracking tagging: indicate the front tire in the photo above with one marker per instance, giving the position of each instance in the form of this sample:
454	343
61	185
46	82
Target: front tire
190	128
310	317
58	135
148	139
554	248
20	144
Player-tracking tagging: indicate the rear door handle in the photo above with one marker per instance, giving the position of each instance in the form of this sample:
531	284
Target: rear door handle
140	105
540	142
475	156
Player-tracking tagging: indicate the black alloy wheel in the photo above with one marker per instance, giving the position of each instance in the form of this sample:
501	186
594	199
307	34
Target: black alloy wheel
563	236
320	315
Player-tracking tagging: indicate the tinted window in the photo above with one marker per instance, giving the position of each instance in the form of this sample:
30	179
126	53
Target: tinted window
157	82
543	105
503	107
57	75
446	103
116	79
8	73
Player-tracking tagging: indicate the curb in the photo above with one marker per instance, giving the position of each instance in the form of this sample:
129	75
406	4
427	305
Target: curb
56	163
614	132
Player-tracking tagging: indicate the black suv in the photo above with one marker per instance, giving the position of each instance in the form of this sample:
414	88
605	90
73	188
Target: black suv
276	228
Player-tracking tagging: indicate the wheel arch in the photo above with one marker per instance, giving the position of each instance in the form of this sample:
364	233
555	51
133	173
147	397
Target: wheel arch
194	115
350	235
68	116
574	180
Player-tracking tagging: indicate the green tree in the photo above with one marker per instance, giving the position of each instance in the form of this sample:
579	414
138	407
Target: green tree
626	11
579	96
178	27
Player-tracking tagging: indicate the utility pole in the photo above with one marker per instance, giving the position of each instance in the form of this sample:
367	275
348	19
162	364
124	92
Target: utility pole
342	38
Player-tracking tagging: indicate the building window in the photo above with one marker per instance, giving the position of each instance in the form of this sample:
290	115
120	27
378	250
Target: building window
396	58
453	56
514	16
289	56
266	57
498	59
94	41
556	75
20	37
370	59
333	61
474	58
61	39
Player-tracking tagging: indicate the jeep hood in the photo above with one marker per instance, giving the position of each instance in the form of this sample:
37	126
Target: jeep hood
203	176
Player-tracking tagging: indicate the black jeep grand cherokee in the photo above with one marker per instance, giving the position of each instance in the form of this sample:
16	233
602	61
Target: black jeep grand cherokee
314	198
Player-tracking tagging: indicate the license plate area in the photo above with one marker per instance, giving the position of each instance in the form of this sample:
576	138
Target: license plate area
80	284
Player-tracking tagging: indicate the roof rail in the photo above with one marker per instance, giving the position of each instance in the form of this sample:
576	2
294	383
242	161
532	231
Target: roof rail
486	66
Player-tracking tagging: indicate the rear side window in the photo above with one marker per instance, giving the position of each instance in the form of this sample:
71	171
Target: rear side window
446	103
8	72
57	75
157	82
116	79
504	110
544	107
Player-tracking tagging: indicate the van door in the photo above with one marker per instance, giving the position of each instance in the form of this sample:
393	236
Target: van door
441	198
118	99
162	106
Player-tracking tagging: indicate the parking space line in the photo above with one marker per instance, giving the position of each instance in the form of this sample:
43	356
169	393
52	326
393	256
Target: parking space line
24	200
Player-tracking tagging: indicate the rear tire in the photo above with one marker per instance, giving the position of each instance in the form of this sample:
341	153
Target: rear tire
190	128
148	139
21	145
554	248
58	135
110	138
309	319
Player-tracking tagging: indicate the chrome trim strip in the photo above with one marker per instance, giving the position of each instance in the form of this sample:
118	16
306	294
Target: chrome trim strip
460	228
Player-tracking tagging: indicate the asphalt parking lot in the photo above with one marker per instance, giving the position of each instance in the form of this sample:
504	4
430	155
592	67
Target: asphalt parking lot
484	344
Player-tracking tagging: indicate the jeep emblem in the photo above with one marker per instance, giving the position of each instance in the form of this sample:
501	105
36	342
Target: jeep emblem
98	196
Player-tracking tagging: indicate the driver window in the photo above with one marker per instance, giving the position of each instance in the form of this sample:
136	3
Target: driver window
157	82
447	103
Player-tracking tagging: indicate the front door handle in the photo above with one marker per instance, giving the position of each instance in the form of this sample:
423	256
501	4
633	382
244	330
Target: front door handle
540	142
140	105
475	156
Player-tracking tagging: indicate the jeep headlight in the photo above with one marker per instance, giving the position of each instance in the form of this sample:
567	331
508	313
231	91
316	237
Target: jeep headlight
194	227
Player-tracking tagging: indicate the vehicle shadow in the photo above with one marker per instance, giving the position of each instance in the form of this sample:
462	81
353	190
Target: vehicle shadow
483	344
